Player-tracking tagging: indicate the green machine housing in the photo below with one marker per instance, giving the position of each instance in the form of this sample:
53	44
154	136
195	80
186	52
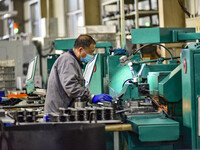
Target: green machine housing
176	85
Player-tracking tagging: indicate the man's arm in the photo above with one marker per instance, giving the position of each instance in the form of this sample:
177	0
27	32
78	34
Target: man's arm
70	80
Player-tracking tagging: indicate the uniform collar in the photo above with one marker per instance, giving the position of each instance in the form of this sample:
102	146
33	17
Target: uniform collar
73	54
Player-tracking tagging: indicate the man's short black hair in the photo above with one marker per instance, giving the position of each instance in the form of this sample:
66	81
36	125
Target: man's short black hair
84	41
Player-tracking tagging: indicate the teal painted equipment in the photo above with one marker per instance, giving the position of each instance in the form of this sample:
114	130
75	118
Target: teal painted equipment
190	59
30	76
144	94
172	85
163	35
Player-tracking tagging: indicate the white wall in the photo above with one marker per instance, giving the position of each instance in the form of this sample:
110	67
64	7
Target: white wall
59	13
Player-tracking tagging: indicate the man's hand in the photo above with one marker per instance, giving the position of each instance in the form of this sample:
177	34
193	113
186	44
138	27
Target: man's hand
102	97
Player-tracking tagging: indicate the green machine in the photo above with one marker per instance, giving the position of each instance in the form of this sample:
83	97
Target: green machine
160	101
30	76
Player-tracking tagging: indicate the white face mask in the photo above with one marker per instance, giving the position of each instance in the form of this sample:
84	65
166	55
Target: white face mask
88	58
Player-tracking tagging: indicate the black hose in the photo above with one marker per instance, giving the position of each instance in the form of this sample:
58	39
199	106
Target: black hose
155	44
184	9
126	81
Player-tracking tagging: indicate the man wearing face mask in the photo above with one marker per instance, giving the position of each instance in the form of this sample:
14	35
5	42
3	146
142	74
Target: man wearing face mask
66	82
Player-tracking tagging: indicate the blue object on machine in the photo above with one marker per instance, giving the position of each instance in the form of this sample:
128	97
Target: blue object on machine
119	52
102	97
46	118
2	94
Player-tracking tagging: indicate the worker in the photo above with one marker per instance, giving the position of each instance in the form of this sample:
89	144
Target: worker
66	82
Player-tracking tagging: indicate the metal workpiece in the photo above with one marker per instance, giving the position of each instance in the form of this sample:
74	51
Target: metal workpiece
85	114
24	115
138	107
79	103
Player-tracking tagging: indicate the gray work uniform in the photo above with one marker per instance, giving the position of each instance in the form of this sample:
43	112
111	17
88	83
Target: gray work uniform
65	83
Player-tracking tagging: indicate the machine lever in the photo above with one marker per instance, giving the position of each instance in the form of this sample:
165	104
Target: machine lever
131	69
140	72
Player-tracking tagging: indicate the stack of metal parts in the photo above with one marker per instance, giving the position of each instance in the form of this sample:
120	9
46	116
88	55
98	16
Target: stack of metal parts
87	114
23	126
7	75
140	107
25	116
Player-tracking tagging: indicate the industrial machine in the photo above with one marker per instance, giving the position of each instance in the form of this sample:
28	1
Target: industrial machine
158	103
161	100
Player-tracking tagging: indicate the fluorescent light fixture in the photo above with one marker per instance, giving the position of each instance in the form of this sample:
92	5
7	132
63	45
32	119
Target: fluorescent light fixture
6	16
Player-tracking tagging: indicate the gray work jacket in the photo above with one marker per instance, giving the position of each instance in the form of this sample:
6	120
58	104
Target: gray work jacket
65	84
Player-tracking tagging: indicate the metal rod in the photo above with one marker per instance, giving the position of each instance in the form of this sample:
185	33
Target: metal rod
136	15
137	19
116	140
123	35
118	127
48	18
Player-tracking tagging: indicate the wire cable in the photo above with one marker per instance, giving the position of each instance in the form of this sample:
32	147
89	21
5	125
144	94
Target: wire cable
126	81
183	8
167	49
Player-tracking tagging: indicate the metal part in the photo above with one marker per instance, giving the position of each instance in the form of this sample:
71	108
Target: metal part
116	140
25	115
123	35
87	114
140	72
132	71
143	89
118	127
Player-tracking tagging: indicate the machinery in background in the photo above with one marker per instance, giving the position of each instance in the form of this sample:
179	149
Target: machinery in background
159	101
7	75
44	47
151	97
20	52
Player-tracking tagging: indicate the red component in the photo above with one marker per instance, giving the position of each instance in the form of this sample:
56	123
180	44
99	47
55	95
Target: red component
185	66
15	25
95	68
